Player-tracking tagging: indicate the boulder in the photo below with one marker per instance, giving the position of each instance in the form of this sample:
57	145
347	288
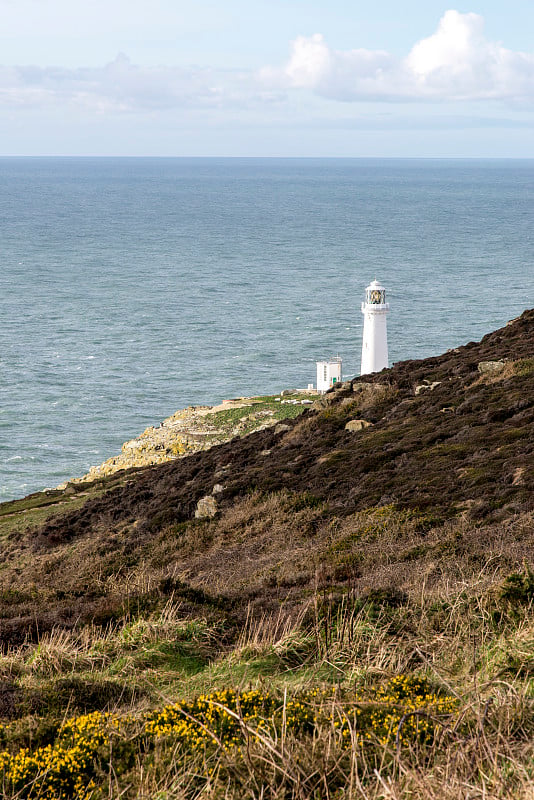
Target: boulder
342	388
357	425
491	367
206	507
427	386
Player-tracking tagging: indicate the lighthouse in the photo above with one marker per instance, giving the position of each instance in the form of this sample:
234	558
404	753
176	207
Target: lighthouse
375	335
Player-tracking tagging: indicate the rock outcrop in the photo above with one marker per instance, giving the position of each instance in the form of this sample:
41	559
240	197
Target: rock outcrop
357	425
200	427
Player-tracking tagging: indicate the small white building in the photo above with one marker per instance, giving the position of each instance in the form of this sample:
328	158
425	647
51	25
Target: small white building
328	373
375	336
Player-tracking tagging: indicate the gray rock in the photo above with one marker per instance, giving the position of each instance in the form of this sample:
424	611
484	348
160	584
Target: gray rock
427	386
357	425
206	507
491	367
287	392
217	489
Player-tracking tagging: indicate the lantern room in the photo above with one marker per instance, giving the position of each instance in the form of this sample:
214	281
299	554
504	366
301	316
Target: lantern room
375	294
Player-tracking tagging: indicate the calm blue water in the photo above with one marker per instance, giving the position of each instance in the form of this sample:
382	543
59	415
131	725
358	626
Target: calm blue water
132	287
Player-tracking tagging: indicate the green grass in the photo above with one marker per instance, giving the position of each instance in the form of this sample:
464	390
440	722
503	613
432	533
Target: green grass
232	416
33	517
470	640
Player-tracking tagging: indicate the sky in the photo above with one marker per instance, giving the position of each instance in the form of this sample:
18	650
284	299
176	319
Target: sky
274	78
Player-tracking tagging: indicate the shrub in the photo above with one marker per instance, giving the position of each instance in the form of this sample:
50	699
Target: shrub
518	588
222	716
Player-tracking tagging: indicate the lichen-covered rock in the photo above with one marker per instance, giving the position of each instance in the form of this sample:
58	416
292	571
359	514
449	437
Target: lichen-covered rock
426	386
193	429
491	367
206	507
357	425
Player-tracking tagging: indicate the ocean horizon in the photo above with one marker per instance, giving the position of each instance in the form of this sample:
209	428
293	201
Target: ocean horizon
132	287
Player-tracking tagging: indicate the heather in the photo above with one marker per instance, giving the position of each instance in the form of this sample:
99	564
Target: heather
353	621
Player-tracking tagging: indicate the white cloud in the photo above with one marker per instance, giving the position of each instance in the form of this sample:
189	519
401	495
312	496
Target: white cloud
310	61
125	87
313	65
459	61
455	63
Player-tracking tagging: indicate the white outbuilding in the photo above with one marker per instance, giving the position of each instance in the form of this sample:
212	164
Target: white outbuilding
328	373
375	336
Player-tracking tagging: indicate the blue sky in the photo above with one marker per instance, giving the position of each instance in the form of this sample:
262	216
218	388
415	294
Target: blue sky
269	78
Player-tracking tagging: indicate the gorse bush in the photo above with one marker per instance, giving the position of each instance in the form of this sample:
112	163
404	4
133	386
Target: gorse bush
405	708
62	770
225	717
225	721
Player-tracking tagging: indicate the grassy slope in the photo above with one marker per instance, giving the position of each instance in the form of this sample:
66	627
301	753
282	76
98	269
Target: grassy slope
337	558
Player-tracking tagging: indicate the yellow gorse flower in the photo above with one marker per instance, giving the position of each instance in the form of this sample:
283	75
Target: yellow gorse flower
62	770
226	716
68	769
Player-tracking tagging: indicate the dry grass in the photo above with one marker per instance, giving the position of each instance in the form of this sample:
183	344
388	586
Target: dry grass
449	636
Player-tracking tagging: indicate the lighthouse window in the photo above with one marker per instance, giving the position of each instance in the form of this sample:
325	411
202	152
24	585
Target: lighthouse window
325	372
376	296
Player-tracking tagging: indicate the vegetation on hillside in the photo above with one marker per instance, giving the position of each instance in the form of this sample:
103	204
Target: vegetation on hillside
355	621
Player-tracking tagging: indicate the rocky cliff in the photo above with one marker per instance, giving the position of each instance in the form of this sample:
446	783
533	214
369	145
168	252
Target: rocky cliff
197	428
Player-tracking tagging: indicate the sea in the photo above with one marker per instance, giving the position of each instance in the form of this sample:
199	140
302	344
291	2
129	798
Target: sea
130	288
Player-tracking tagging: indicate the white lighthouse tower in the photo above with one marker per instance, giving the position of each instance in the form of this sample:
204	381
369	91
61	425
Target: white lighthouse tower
375	335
